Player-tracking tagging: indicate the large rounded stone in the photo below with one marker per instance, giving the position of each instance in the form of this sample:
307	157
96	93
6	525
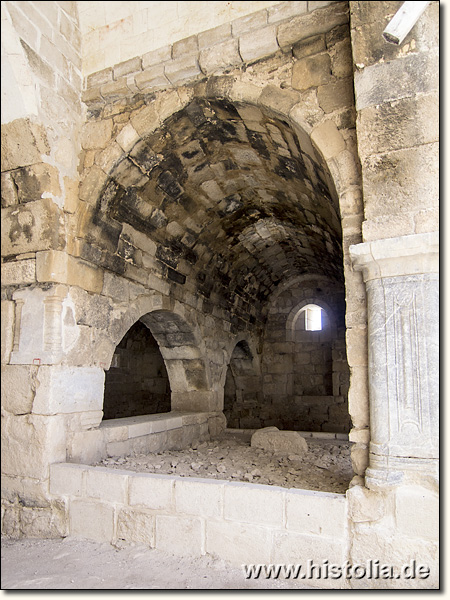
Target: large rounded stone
273	440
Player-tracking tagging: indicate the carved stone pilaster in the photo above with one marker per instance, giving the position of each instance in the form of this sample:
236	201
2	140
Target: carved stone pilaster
401	276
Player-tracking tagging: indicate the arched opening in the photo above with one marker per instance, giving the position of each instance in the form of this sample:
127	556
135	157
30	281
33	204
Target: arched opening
242	392
238	201
137	382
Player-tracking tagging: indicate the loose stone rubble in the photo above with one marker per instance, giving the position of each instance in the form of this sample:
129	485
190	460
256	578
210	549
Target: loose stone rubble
325	466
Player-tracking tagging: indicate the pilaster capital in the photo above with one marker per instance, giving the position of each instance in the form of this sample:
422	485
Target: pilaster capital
393	257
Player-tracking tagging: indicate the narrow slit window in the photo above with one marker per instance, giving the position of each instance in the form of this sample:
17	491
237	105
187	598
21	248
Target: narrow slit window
313	318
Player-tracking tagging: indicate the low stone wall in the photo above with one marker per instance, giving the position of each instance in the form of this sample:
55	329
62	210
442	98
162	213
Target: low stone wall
146	433
240	522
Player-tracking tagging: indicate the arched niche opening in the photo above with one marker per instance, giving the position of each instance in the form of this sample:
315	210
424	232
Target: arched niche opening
137	382
242	391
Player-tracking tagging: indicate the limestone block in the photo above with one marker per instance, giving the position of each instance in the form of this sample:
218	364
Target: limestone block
365	505
31	227
286	10
179	535
360	458
389	126
182	70
369	540
414	75
48	522
86	447
92	185
18	388
92	520
317	513
155	57
309	46
252	503
297	548
35	181
146	120
310	72
417	512
115	90
126	67
110	485
23	143
328	139
136	526
127	137
258	43
109	157
152	78
341	59
67	479
62	389
184	47
271	439
8	190
237	542
412	174
248	23
336	96
31	443
312	23
100	77
278	101
96	134
219	56
60	267
151	491
307	114
202	497
8	309
214	36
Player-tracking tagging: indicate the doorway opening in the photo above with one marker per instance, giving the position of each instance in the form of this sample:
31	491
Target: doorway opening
137	382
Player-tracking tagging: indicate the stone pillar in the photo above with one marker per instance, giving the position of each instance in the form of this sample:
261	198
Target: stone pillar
401	277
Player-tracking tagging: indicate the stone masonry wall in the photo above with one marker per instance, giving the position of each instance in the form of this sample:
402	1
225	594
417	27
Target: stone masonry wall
306	374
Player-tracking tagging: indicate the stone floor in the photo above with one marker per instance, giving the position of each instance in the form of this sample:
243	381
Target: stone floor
70	564
326	466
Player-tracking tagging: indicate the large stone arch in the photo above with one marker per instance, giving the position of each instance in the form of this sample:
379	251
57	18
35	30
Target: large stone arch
327	146
181	347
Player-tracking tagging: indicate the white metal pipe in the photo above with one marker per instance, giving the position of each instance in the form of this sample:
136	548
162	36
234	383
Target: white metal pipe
403	21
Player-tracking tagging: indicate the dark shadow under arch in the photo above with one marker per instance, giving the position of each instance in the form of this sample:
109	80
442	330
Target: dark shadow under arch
137	382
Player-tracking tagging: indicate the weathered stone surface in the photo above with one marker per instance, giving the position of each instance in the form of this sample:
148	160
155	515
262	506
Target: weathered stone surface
96	134
59	267
257	44
374	86
136	526
314	23
19	272
68	390
185	47
23	143
18	388
152	77
403	124
220	56
365	505
183	69
336	96
328	139
311	72
309	46
32	227
271	439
